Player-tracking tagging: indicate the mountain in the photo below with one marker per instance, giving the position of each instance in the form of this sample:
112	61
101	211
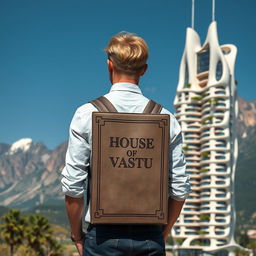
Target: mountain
30	172
246	117
245	180
4	148
20	159
245	186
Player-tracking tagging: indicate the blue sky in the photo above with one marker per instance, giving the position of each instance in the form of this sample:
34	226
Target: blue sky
52	59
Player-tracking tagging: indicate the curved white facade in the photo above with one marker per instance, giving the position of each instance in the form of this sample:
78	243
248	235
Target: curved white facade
206	108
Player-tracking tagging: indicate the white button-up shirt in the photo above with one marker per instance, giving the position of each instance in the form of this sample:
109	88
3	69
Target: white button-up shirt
125	97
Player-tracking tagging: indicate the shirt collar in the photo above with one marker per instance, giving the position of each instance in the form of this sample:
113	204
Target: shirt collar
126	87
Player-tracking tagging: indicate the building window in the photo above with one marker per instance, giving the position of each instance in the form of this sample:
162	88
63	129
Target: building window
219	71
186	252
203	60
225	50
220	170
186	83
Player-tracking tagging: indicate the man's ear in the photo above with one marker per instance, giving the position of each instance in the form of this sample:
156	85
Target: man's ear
110	66
144	69
110	70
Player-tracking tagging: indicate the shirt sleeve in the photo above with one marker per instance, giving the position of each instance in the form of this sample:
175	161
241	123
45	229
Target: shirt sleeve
179	186
75	172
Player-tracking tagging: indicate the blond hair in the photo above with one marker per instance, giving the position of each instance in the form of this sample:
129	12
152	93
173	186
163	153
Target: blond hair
128	52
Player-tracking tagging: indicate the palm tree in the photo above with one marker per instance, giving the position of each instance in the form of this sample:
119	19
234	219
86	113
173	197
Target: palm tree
55	248
38	232
12	230
252	245
24	250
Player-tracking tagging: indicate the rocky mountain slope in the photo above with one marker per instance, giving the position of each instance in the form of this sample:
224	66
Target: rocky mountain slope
245	181
245	186
246	117
30	173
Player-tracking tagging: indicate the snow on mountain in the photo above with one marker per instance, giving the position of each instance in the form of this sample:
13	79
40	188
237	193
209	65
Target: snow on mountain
30	174
22	144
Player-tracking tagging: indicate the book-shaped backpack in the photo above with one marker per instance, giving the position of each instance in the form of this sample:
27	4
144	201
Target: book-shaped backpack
130	165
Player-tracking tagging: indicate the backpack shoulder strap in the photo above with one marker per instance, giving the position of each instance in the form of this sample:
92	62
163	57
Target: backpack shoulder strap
103	104
152	108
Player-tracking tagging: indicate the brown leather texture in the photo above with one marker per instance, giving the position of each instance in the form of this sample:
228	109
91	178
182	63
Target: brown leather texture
129	168
152	108
103	104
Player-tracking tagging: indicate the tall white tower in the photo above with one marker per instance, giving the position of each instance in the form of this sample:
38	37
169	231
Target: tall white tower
206	108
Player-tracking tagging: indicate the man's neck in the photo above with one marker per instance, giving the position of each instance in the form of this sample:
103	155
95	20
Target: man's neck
125	79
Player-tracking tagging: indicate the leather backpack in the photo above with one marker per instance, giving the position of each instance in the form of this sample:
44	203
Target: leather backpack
130	165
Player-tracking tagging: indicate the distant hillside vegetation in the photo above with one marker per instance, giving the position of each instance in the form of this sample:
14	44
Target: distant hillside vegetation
245	181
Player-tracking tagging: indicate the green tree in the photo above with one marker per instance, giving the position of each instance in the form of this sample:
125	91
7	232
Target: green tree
169	239
24	250
213	100
55	248
29	235
179	241
204	170
243	239
205	155
201	232
197	98
210	118
252	245
204	217
12	229
185	148
241	252
38	233
4	250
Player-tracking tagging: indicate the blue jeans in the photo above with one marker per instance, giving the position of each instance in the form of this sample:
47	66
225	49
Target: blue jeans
124	240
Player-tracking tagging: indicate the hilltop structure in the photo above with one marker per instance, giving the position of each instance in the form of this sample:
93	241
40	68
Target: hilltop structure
206	108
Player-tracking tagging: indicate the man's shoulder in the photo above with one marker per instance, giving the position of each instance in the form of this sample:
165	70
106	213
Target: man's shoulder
81	120
85	109
167	112
175	128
